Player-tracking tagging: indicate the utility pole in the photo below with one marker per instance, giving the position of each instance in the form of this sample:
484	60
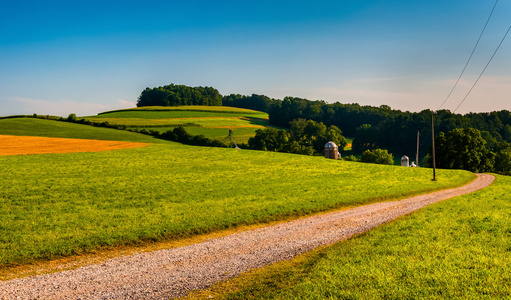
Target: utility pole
433	139
417	153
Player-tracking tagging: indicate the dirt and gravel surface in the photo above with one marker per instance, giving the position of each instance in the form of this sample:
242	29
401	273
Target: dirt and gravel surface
170	273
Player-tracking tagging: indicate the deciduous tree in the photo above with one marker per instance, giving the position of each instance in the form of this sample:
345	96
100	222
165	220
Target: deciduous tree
463	148
377	156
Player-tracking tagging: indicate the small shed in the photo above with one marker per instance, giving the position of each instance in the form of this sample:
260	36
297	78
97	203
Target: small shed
331	150
405	161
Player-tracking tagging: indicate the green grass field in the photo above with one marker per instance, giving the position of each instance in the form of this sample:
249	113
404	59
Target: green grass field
211	121
62	204
456	249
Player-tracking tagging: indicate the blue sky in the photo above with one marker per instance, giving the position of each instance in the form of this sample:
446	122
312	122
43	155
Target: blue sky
85	57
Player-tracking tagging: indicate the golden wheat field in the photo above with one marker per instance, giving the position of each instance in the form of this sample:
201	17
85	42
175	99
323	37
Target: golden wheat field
22	145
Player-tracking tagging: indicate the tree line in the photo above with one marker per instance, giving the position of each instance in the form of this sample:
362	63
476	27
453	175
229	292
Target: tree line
383	127
370	127
394	130
466	149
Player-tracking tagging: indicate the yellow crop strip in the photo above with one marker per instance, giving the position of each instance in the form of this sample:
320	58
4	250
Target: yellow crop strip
22	145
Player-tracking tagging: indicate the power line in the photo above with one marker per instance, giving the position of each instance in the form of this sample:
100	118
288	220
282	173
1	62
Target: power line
471	54
483	69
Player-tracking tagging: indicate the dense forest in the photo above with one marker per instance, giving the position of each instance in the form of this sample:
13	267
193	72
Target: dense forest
370	127
380	127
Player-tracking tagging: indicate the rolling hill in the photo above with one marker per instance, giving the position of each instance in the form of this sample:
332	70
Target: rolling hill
211	121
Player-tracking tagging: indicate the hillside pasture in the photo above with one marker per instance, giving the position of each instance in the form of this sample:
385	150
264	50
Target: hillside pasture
211	121
185	112
63	204
23	145
215	109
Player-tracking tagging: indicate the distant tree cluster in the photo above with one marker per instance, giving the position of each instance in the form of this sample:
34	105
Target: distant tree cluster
180	135
377	156
466	149
304	137
174	95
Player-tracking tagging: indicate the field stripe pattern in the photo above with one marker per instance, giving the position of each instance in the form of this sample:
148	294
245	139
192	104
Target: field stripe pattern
174	272
23	145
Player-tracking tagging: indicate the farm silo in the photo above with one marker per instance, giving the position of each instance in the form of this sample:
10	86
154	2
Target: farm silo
331	150
405	161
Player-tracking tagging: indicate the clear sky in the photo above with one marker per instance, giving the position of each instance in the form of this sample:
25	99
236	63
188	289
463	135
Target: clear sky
85	57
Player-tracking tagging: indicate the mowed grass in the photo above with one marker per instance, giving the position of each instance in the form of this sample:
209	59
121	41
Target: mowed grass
211	121
456	249
63	204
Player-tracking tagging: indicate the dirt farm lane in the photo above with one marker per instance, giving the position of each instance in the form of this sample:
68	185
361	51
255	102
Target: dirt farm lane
171	273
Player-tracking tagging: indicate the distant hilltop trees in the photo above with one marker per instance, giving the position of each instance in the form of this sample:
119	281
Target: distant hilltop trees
175	95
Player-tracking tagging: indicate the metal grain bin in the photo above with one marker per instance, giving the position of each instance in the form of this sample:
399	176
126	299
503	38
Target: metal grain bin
405	161
331	150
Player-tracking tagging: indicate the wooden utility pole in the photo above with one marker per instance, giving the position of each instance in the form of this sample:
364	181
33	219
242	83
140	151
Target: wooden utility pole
433	139
417	153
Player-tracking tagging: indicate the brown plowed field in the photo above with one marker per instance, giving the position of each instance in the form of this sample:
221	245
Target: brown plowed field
22	145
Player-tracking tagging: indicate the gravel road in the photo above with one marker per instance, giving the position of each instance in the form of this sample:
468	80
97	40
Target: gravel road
170	273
